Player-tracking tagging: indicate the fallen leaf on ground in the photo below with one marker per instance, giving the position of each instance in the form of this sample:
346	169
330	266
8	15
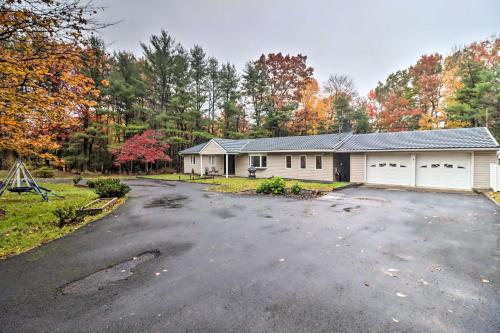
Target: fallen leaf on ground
392	272
400	295
485	281
282	259
422	281
395	320
436	268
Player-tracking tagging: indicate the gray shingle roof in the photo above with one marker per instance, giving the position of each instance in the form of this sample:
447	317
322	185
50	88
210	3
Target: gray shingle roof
477	137
231	146
194	150
310	142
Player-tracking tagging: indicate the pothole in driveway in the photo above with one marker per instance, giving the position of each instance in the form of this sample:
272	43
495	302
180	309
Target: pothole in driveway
350	209
104	277
168	201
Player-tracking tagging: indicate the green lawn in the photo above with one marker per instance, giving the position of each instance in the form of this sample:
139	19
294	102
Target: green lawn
238	184
29	222
496	196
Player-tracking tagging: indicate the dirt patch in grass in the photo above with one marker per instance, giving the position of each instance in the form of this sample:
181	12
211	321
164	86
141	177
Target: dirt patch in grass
2	214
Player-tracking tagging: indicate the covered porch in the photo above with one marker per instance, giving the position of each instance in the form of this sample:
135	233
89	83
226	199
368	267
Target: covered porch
217	164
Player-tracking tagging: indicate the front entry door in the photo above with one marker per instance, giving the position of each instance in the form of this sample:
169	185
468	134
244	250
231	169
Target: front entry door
230	164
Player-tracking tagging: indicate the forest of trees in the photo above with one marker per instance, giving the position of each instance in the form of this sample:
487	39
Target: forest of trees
67	101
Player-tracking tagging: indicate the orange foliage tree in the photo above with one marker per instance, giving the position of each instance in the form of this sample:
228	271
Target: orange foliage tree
312	113
42	86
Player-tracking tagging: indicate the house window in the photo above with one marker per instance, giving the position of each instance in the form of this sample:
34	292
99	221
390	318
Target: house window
393	165
319	162
435	165
302	162
258	161
192	159
211	160
288	161
449	166
381	165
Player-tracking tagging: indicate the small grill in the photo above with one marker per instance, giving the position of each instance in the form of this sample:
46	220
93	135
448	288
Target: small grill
251	172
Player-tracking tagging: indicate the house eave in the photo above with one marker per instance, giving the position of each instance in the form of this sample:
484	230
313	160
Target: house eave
415	149
289	151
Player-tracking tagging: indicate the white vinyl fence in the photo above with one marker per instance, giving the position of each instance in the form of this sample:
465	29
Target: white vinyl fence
495	177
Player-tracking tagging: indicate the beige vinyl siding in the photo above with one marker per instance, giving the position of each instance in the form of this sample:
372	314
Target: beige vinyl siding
357	168
482	161
241	165
276	166
212	148
188	167
219	163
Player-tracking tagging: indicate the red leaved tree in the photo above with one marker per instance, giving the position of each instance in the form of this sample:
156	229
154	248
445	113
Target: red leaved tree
144	148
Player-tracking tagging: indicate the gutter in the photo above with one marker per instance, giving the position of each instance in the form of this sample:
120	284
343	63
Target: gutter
414	149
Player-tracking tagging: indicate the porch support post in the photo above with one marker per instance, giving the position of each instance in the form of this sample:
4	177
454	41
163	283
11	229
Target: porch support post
227	165
201	165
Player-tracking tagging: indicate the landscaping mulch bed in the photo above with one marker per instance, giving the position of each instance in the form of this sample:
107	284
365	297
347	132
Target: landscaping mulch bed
303	195
98	205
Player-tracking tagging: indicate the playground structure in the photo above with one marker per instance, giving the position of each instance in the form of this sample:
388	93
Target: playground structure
19	180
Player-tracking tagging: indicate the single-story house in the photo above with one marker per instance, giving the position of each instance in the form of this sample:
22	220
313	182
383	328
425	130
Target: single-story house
447	158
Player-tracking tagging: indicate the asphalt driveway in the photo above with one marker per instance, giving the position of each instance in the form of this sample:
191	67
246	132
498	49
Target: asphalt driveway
176	258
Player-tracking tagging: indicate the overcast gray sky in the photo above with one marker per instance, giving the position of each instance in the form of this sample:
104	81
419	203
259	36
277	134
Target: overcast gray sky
364	39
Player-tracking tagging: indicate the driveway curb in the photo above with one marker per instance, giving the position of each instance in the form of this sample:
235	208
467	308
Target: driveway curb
486	194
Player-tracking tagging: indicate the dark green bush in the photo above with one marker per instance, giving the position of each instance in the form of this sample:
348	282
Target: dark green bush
44	172
110	188
77	179
296	188
91	183
68	215
275	185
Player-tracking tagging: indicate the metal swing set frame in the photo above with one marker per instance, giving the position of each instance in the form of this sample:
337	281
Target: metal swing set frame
16	183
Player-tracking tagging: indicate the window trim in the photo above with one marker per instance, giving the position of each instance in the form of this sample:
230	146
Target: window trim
260	160
305	162
286	161
316	162
192	159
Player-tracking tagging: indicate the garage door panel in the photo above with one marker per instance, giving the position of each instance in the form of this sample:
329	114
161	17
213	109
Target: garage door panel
444	170
388	168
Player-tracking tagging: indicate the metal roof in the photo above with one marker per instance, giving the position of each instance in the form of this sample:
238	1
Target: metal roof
310	142
476	137
231	146
466	138
195	149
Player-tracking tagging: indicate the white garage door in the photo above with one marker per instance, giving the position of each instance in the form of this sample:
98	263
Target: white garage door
388	168
444	170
